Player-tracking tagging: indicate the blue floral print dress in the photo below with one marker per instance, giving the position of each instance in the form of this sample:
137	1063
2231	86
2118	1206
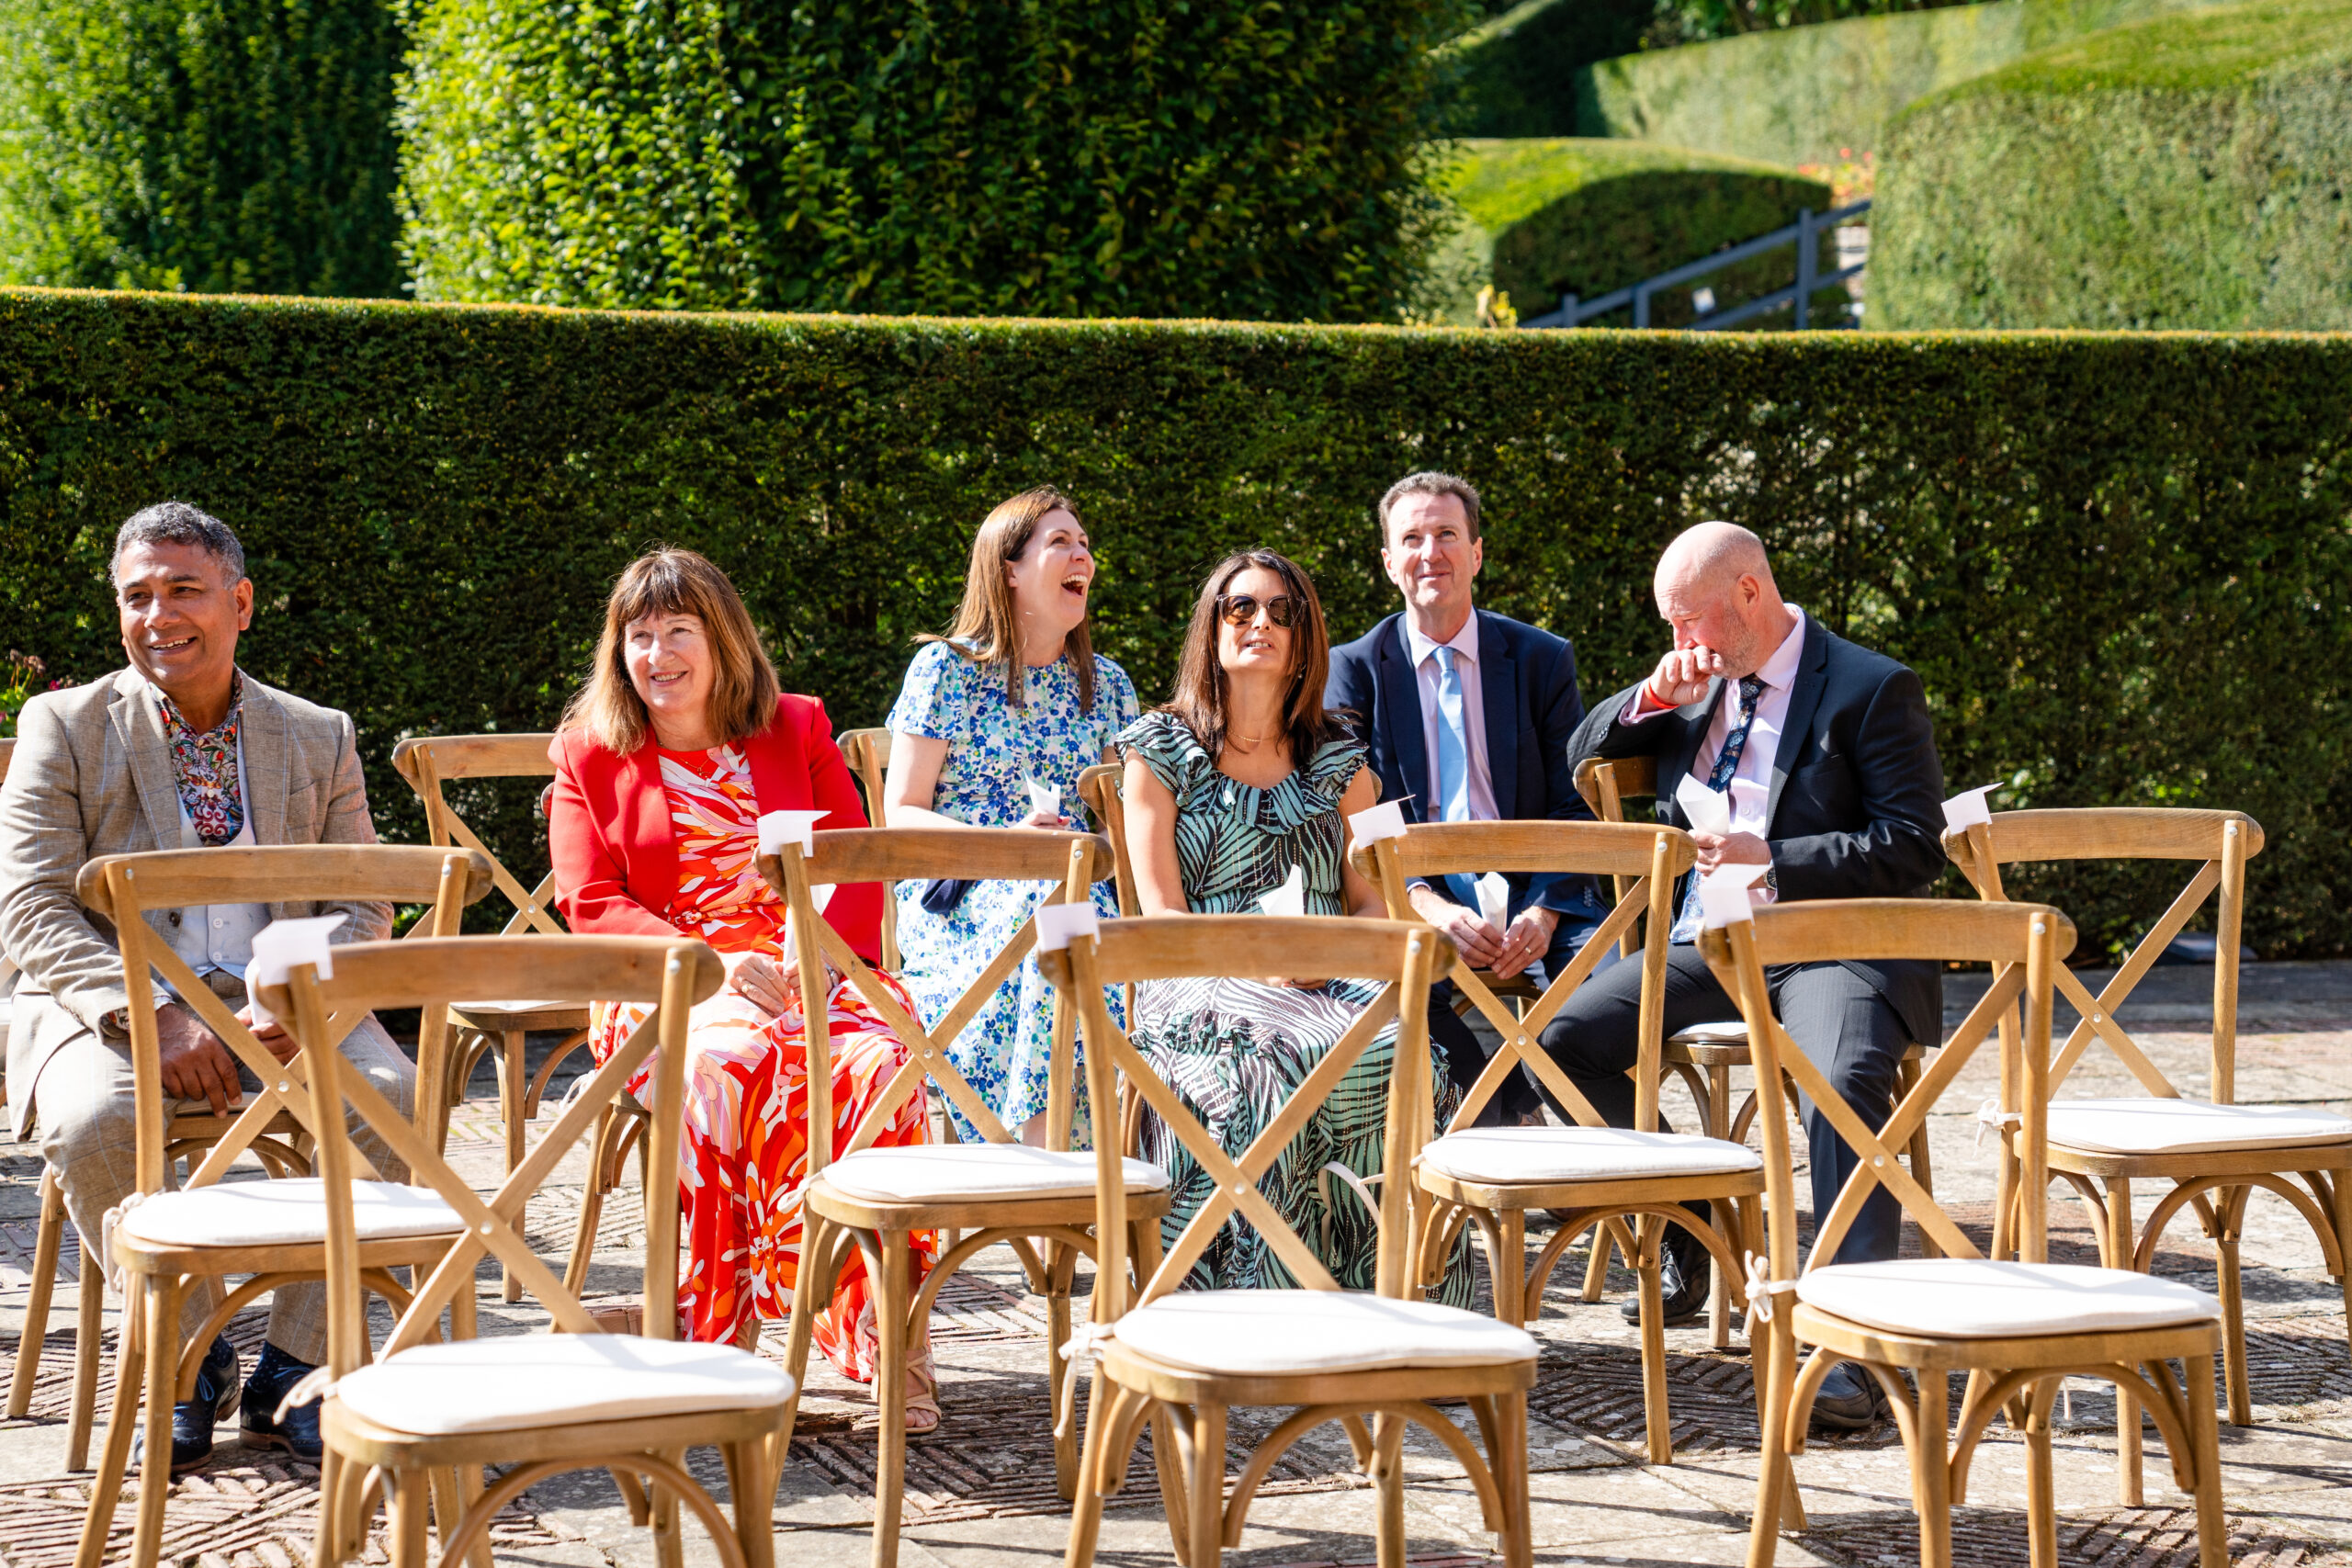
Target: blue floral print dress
993	750
1235	1050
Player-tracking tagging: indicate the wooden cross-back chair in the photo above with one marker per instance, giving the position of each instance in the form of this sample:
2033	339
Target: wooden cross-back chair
1704	1055
1593	1174
2016	1325
419	1420
868	752
273	1230
2212	1152
1184	1359
429	763
998	1190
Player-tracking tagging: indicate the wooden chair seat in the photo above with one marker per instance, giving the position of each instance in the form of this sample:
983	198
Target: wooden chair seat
969	1173
290	1213
525	1013
1978	1298
1286	1334
1556	1155
515	1382
2144	1126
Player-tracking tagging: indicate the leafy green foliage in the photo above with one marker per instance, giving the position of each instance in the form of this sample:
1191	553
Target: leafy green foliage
1231	158
217	145
1514	72
2119	563
2187	172
1559	216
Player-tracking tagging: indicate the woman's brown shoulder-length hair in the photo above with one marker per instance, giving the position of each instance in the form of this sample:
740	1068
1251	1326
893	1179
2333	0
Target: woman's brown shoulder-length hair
665	581
988	629
1200	698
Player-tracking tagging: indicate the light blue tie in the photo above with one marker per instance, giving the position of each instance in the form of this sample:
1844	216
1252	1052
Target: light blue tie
1452	764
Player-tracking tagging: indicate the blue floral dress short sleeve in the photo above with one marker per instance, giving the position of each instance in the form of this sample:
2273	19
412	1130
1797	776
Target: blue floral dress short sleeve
994	749
1236	1050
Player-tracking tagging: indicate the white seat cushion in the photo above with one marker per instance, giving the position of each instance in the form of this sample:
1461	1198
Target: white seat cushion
1265	1333
1732	1033
546	1379
1581	1153
2187	1126
965	1173
284	1214
1971	1298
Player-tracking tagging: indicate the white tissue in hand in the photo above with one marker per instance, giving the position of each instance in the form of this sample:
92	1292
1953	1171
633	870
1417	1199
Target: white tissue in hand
778	828
1385	820
1494	899
1707	810
1968	808
1045	799
280	945
1290	898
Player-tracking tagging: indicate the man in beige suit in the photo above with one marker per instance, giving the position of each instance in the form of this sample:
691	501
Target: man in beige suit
179	751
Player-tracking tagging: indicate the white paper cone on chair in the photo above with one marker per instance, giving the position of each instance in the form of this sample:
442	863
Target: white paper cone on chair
778	828
1494	899
1723	894
279	946
1385	820
1969	809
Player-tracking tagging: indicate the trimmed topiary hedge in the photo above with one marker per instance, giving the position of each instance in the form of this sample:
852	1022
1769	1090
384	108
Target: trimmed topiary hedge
2190	172
1514	74
1800	95
1134	157
1554	215
2121	563
202	144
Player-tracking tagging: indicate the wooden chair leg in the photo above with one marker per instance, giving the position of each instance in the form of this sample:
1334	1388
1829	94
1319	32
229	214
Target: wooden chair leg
1086	1508
1061	1259
2123	1243
2229	1228
1508	1462
1906	1079
2204	1436
1774	1352
890	1308
51	1231
1388	1485
1931	1471
324	1551
752	1489
2040	1480
407	1497
89	1332
1718	1126
513	1084
2339	1191
162	1331
1206	1525
1596	1267
122	1419
1507	1270
669	1516
1649	1235
592	1200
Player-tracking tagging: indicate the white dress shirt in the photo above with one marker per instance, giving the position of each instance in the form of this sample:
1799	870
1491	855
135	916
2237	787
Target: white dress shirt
1423	653
219	936
1751	782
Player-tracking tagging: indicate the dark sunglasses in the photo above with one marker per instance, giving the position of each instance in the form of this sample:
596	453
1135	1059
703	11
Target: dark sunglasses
1240	609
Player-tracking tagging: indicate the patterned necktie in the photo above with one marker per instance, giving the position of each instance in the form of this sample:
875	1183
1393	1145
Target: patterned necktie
1452	764
1686	924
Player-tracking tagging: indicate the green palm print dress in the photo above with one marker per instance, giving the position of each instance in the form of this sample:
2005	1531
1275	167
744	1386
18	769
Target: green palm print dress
1235	1050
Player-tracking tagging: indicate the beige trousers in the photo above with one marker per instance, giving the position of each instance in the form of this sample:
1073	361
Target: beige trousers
86	1112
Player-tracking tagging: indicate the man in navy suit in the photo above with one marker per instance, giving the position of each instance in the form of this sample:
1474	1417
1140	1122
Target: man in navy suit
1826	758
1467	717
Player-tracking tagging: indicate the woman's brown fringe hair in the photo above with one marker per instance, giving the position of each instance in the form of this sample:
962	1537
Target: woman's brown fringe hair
743	689
1200	696
988	629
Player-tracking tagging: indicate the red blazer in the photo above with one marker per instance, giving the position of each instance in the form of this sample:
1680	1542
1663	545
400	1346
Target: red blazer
615	853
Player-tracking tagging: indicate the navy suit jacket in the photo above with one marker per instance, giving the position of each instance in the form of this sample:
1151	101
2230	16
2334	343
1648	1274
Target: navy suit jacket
1527	681
1854	808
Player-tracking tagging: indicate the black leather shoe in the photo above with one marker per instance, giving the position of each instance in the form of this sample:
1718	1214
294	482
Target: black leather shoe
298	1434
193	1420
1684	1269
1850	1400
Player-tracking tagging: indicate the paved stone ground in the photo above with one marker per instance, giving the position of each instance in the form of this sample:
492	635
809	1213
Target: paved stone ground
980	1492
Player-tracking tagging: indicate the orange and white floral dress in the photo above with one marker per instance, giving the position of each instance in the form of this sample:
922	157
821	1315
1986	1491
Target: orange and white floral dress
744	1155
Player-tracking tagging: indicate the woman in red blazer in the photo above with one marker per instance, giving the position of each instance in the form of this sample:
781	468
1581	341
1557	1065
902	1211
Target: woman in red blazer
678	743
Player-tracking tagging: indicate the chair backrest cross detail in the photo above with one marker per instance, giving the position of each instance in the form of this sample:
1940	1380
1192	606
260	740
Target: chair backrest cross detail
431	762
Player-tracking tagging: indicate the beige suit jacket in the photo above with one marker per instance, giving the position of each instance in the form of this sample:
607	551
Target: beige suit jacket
92	776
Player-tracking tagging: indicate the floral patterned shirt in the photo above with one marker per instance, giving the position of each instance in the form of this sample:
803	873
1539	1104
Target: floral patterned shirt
204	766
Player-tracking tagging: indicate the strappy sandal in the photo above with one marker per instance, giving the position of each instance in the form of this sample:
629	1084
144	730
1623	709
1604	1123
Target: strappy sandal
922	1395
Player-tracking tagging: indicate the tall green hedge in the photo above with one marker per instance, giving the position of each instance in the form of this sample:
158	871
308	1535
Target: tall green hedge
1799	95
1259	159
2121	563
2193	171
1548	216
203	144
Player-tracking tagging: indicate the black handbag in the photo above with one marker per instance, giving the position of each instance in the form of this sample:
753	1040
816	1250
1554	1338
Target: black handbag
941	894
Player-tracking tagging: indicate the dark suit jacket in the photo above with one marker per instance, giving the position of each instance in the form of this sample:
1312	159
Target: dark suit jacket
1856	805
1527	681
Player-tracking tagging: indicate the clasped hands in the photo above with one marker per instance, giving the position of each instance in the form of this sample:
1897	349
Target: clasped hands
1681	679
1504	954
771	984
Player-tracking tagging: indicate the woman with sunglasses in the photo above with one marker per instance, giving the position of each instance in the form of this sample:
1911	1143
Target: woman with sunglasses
1240	778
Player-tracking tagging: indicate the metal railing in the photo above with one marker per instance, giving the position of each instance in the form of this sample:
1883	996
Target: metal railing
1805	234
